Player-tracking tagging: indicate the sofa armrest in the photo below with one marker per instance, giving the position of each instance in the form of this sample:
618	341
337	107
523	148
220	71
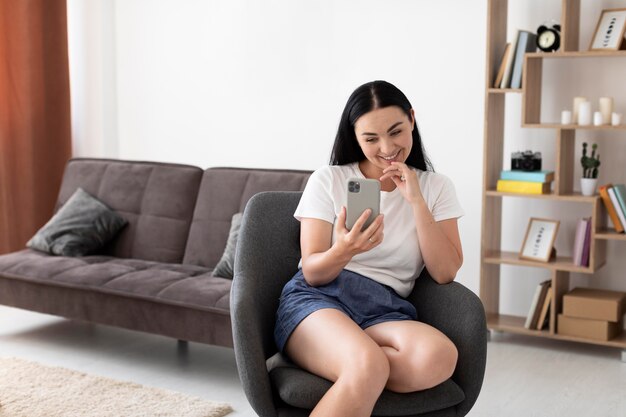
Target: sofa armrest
267	255
459	314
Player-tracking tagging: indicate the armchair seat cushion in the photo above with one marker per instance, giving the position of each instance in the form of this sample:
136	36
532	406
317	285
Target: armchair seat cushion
299	388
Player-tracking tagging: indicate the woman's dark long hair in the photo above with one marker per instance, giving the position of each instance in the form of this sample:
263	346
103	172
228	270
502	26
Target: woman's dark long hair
368	97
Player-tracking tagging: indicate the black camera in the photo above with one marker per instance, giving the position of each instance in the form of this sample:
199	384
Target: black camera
354	187
526	161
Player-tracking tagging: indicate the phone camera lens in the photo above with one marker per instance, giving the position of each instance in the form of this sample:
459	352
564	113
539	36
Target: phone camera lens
357	187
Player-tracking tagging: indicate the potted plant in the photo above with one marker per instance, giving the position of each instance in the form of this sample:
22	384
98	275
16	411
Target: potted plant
590	164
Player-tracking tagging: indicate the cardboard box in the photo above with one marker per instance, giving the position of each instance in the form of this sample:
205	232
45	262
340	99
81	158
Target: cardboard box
589	329
589	303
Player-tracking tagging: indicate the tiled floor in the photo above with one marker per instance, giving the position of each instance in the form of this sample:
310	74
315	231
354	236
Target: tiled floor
525	376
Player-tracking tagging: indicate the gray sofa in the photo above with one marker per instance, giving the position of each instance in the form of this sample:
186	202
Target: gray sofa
155	276
276	387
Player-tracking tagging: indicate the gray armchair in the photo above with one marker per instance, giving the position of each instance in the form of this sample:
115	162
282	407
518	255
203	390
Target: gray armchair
267	257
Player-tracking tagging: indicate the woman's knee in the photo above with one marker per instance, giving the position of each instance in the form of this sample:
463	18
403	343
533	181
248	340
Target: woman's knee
437	360
426	366
367	370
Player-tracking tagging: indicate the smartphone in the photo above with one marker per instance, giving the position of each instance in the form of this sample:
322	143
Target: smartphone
363	194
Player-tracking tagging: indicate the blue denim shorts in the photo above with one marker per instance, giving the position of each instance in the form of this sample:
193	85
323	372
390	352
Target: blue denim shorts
364	300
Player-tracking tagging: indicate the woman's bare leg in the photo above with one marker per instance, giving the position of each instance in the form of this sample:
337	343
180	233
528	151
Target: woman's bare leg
420	356
329	344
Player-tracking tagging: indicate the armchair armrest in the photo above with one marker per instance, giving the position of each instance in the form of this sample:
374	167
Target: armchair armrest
267	255
459	314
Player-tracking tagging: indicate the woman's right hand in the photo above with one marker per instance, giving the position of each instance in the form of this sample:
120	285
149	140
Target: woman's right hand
355	241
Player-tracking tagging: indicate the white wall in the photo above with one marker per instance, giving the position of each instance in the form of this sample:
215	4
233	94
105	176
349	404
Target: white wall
263	83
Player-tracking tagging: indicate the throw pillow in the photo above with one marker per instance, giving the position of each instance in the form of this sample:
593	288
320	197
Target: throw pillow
225	266
82	225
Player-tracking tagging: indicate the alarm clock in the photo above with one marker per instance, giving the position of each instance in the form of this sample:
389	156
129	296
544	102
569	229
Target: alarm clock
549	37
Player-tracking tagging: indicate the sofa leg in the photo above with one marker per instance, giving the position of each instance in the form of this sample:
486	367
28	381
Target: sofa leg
183	346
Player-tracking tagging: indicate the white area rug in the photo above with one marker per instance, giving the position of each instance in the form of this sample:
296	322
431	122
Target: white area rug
29	389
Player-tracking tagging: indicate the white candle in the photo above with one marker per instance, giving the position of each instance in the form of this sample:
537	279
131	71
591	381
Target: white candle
577	101
616	119
597	118
566	117
606	108
584	113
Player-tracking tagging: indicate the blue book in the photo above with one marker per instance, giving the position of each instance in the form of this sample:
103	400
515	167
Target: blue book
525	43
620	194
529	176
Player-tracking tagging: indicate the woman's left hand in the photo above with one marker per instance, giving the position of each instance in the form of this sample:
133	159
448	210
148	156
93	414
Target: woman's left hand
405	179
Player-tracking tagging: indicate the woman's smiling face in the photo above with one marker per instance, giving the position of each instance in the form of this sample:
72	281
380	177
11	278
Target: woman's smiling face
385	136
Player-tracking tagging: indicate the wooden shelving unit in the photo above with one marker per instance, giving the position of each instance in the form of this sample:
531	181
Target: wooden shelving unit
492	257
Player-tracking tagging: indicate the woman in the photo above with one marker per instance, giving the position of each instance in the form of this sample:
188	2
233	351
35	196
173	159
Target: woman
343	316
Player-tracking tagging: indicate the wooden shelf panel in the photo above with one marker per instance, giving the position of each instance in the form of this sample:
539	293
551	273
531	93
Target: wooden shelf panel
562	263
577	54
610	234
571	127
575	197
503	90
514	324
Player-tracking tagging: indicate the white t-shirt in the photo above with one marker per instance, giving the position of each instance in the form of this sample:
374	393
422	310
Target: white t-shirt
397	261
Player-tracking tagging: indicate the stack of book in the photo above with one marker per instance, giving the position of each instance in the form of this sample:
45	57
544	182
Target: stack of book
582	242
510	73
538	317
614	198
525	182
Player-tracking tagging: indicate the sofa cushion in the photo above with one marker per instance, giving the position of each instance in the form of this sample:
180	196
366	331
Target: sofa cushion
183	285
302	389
226	265
157	199
83	225
224	192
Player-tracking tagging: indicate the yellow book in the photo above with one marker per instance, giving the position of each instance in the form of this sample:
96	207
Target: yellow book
523	187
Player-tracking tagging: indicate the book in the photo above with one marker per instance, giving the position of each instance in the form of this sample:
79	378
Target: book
584	261
523	187
618	209
530	176
620	193
526	42
506	77
505	57
604	193
537	303
543	316
579	241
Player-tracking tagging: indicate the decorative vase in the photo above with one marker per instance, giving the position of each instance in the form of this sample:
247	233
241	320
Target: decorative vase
588	186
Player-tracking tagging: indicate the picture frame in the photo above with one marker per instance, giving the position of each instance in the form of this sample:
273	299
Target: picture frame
539	240
610	30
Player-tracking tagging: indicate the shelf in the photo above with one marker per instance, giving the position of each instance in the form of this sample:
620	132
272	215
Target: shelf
515	324
503	90
571	127
610	234
577	54
562	263
576	197
493	228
